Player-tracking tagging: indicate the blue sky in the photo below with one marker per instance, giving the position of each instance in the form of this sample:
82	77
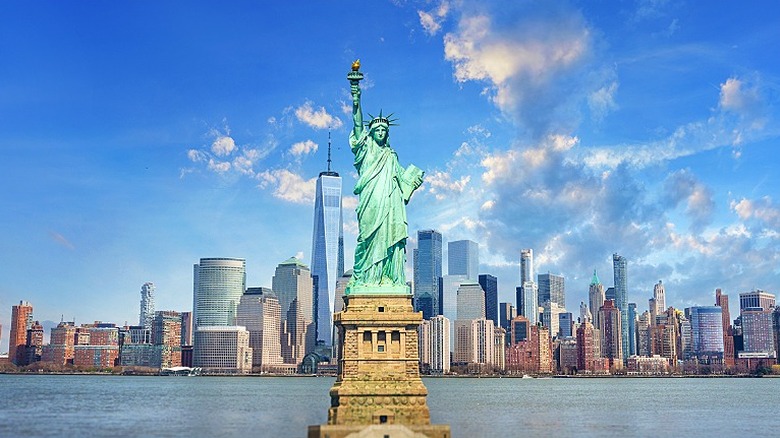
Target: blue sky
137	137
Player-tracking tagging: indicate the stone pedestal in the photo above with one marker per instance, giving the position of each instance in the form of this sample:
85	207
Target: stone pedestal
378	377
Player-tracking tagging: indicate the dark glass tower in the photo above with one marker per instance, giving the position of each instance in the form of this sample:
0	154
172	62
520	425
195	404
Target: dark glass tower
427	272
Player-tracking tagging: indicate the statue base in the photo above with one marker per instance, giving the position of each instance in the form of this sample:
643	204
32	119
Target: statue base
378	379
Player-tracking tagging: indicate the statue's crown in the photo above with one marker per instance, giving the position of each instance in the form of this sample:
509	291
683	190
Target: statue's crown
381	120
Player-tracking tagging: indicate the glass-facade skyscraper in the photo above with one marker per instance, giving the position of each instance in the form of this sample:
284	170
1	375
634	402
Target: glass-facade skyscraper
427	272
707	333
552	288
463	258
219	284
619	266
489	284
327	253
528	292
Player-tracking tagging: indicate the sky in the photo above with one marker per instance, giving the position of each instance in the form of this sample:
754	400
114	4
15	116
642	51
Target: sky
138	137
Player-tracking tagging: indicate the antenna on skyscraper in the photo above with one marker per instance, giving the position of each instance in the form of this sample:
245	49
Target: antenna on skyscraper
329	149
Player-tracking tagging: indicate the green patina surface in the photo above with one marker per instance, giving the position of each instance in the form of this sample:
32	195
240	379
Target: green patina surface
383	188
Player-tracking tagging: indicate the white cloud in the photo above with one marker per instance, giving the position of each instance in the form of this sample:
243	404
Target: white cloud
736	96
602	101
218	166
223	145
61	240
316	118
431	21
440	184
521	61
763	210
288	186
303	148
349	202
196	156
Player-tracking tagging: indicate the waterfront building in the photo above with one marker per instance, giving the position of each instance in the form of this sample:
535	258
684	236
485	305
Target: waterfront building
260	313
21	321
611	334
292	284
620	270
439	344
424	349
757	334
34	343
722	301
97	346
218	286
489	284
475	343
655	365
596	298
588	357
223	349
427	273
567	355
61	342
463	259
146	315
135	347
532	355
551	288
776	330
327	253
707	334
756	298
166	335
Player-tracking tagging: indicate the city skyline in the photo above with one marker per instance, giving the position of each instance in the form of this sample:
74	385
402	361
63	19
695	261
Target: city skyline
137	146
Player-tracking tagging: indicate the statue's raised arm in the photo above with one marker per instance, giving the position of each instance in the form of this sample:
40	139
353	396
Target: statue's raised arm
357	111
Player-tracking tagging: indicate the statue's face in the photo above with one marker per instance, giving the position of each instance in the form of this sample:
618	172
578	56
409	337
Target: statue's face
380	135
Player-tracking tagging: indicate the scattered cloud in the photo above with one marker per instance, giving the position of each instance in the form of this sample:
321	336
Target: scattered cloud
61	240
317	118
303	148
223	145
532	58
431	21
288	186
602	101
441	184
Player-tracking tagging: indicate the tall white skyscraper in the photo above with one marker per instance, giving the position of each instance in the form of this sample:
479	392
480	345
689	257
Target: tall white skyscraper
327	253
528	293
219	284
146	318
659	295
292	284
463	259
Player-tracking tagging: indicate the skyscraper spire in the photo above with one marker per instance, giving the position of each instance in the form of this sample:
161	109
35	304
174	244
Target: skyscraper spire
595	279
328	149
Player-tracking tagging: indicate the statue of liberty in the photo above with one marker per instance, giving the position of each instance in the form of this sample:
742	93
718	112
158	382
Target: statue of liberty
383	189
